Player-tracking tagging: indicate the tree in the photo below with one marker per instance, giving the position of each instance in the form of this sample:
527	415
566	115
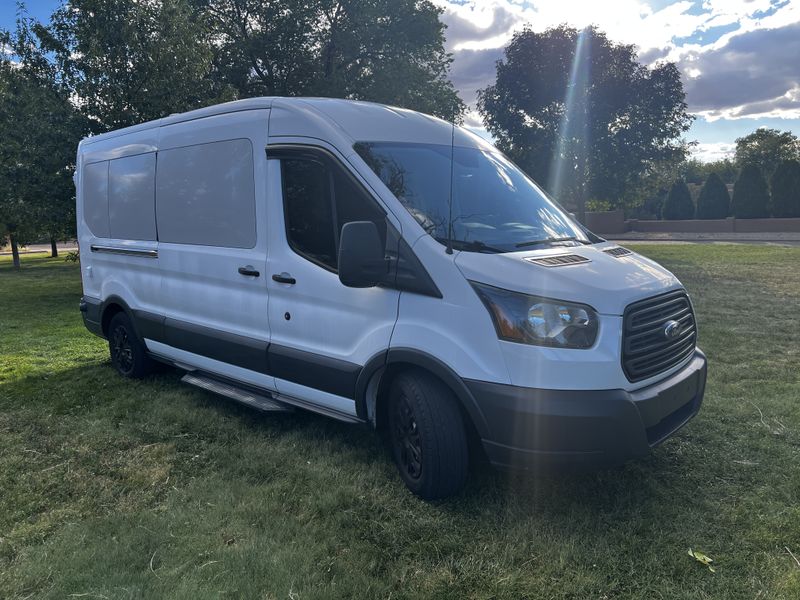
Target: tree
678	204
130	61
697	171
40	133
785	186
581	115
750	194
388	51
766	149
714	201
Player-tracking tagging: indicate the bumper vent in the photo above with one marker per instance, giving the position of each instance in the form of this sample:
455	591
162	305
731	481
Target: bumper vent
558	260
658	333
617	251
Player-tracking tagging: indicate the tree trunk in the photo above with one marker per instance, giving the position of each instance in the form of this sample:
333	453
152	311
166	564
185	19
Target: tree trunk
14	250
53	248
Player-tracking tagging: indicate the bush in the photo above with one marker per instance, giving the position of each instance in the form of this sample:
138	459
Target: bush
714	201
678	204
750	194
786	190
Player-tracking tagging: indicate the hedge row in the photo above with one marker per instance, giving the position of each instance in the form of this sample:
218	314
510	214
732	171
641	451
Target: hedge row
752	198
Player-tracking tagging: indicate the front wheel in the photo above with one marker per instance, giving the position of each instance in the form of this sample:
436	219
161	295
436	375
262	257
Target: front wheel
128	354
427	436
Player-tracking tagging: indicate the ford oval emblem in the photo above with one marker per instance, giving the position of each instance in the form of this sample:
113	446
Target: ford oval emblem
672	329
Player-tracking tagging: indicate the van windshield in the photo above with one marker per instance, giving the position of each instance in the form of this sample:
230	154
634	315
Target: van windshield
496	207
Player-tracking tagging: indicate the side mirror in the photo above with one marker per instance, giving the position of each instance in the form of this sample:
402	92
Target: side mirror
362	262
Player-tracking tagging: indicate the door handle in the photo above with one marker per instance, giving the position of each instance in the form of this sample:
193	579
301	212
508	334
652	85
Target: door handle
284	278
249	271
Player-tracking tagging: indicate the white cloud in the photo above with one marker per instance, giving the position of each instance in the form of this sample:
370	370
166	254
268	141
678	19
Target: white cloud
714	151
751	71
755	74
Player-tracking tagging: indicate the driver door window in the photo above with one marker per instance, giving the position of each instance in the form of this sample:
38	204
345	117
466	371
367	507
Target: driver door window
319	198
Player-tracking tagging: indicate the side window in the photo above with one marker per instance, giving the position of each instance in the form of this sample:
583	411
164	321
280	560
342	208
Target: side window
205	195
95	198
131	197
319	198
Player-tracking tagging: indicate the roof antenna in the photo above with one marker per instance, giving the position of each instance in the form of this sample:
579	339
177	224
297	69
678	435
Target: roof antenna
449	249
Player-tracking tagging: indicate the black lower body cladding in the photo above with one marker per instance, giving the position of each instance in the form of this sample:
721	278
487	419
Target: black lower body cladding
534	428
92	312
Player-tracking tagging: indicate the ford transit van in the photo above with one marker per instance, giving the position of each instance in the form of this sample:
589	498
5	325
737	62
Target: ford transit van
383	267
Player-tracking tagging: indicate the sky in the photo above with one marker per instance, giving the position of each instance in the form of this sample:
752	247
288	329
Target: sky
739	59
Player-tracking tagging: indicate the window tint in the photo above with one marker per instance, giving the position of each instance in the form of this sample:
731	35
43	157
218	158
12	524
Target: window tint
131	197
95	198
319	198
308	210
205	195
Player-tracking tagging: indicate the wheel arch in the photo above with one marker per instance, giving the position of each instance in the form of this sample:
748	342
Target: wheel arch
377	376
111	306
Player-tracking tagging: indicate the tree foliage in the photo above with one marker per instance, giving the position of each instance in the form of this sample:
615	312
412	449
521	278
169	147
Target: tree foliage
130	61
678	204
750	194
766	149
714	201
388	51
40	130
785	185
582	115
697	171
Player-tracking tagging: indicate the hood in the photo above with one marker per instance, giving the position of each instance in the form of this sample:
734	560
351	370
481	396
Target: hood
605	282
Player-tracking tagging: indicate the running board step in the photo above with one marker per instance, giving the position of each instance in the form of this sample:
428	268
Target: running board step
257	401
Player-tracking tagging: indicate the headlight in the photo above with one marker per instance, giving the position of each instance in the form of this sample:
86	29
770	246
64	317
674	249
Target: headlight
540	321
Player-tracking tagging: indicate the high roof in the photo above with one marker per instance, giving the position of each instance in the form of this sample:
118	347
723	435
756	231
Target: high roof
357	120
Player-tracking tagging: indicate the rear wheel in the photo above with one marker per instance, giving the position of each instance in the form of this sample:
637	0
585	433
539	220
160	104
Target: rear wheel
427	436
128	353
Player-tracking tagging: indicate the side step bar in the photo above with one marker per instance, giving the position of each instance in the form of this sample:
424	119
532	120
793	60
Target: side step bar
257	401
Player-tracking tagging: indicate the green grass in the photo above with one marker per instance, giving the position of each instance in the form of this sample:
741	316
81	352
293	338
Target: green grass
117	489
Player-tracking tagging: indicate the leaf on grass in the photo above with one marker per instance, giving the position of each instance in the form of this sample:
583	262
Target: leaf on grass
702	558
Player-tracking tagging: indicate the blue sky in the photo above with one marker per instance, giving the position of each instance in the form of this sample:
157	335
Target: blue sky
740	59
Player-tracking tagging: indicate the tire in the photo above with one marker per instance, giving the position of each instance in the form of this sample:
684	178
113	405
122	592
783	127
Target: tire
427	436
128	353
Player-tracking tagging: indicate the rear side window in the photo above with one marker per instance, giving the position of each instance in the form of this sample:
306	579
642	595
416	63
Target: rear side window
319	198
95	198
131	197
205	195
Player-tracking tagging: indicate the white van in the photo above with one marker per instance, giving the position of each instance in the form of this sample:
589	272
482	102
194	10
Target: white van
385	267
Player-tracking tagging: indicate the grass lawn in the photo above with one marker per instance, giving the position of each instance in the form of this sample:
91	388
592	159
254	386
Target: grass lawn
117	489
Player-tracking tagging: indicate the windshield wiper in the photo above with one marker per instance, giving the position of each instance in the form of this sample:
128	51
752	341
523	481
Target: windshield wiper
551	240
469	245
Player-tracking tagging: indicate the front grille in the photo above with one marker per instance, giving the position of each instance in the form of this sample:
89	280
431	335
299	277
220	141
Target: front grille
558	260
646	350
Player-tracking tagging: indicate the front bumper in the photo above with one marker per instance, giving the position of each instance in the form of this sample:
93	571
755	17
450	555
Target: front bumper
537	428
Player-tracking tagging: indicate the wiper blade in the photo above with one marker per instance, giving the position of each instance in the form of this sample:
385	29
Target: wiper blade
470	245
550	240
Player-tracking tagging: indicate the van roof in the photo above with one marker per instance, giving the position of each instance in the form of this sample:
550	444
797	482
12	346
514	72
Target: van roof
359	120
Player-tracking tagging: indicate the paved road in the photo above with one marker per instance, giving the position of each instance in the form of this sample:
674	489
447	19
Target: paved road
779	243
35	248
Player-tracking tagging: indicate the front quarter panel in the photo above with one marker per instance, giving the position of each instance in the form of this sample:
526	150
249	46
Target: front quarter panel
455	329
